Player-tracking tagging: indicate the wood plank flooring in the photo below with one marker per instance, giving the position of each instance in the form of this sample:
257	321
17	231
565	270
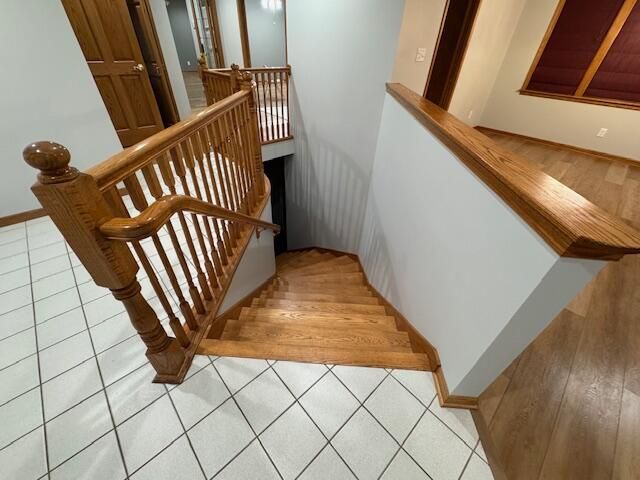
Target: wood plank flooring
569	406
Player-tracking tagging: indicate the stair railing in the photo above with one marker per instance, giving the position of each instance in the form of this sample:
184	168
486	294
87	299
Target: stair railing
271	91
182	204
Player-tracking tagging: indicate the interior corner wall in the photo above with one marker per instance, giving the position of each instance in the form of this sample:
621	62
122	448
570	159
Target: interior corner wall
170	54
420	28
560	121
230	32
492	32
341	54
181	28
64	105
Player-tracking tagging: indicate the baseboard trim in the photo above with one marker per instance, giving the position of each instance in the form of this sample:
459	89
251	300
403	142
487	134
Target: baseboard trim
22	217
585	151
418	342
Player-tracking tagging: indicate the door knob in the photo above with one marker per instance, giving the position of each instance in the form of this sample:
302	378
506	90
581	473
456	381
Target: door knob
139	67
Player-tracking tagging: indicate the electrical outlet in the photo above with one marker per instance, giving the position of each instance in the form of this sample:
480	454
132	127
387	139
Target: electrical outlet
603	132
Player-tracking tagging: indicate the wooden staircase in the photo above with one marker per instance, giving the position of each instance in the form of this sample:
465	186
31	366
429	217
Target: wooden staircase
319	309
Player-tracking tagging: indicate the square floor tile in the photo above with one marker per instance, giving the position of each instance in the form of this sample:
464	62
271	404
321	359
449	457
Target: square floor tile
75	429
60	327
16	298
70	388
15	279
16	321
45	239
458	420
403	467
50	267
477	469
17	347
365	445
13	248
395	408
18	378
220	437
237	372
89	291
175	462
101	309
147	433
299	376
20	416
56	304
15	262
251	464
198	396
99	461
112	331
17	233
292	442
82	274
419	383
65	355
437	449
26	458
361	381
48	252
330	404
327	465
58	282
124	358
253	402
133	392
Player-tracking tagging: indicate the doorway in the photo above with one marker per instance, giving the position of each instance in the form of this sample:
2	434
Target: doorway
121	47
453	39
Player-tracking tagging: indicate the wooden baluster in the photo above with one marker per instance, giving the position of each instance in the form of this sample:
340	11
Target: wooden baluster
283	79
115	201
234	159
221	163
273	119
288	122
264	128
190	155
140	202
276	83
74	203
245	154
257	166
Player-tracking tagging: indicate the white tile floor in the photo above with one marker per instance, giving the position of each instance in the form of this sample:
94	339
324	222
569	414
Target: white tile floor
77	402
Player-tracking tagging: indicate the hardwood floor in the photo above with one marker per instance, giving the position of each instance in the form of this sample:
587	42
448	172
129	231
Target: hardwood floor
195	91
569	406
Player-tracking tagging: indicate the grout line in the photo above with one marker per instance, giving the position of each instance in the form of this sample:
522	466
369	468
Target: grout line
466	464
35	333
113	421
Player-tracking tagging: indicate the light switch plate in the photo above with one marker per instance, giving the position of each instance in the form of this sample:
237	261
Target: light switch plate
421	54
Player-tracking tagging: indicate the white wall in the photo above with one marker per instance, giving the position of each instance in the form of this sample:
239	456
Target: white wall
257	265
230	32
48	93
420	27
559	121
450	255
490	38
341	53
266	35
170	54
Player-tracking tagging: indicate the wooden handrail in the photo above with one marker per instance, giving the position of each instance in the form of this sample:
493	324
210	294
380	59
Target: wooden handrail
118	167
569	223
153	218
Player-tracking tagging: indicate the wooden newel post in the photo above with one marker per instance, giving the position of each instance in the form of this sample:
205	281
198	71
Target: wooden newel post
246	83
78	208
235	77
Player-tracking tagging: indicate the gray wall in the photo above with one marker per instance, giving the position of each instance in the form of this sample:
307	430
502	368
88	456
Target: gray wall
266	35
181	28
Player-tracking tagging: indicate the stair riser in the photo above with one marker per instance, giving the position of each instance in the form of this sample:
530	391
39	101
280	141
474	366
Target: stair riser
322	289
320	297
326	278
331	320
319	306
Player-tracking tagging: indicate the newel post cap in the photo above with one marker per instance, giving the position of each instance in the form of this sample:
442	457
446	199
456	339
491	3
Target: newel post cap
52	159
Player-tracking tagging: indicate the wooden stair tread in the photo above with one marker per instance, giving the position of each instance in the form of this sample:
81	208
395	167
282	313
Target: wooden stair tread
357	290
323	297
355	278
337	356
337	264
318	306
347	337
305	260
331	319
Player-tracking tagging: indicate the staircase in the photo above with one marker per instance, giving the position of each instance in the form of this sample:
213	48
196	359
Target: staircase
319	309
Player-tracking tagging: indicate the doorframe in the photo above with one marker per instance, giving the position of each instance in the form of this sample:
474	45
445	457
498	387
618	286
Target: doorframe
165	73
244	33
463	39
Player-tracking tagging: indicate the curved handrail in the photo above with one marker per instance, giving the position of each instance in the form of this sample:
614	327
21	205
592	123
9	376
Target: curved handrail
569	223
153	218
116	168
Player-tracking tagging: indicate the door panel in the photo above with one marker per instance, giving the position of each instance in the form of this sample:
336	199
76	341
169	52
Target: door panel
105	33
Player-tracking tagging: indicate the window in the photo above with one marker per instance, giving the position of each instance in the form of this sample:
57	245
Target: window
591	53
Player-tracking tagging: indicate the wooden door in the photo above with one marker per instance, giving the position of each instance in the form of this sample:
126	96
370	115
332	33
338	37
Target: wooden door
143	25
107	38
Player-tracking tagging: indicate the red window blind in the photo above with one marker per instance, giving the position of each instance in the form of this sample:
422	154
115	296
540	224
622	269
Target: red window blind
576	37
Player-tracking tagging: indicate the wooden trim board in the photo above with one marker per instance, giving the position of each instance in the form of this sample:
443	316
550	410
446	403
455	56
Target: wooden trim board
451	401
22	217
486	440
585	151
